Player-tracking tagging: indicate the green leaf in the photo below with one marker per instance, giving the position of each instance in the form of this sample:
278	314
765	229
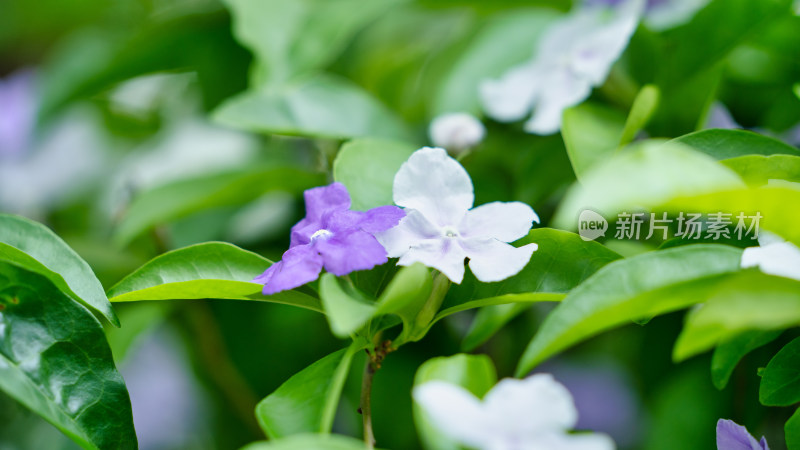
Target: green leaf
792	430
592	133
562	261
182	198
346	308
300	36
307	402
475	373
724	144
728	354
308	442
634	288
55	360
489	55
758	170
367	168
35	247
780	380
405	296
645	176
323	106
210	270
644	106
745	301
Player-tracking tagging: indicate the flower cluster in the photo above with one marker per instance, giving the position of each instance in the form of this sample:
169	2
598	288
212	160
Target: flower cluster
437	228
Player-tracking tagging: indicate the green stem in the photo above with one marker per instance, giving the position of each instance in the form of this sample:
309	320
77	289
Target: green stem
366	403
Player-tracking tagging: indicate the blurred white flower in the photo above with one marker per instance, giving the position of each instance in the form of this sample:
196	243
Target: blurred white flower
440	230
534	413
456	131
572	57
665	14
773	257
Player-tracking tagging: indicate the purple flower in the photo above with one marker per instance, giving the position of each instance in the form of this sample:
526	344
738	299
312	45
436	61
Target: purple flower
17	113
731	436
333	236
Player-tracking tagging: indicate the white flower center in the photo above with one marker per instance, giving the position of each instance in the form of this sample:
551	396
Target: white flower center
321	234
450	232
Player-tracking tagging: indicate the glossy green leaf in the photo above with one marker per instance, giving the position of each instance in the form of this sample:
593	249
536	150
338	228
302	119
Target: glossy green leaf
780	380
181	198
769	201
724	144
562	261
728	354
758	170
644	106
475	373
645	176
634	288
792	430
592	133
323	106
210	270
35	247
367	168
307	402
299	36
745	301
405	296
346	308
489	55
55	360
308	442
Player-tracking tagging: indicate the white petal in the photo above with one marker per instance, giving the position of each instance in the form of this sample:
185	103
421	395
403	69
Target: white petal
530	407
412	230
491	260
564	89
511	97
455	412
781	259
670	14
442	254
506	222
456	131
563	441
435	185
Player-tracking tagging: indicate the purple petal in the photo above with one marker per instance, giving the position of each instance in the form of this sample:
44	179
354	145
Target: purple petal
324	200
300	265
731	436
348	252
763	443
381	218
18	106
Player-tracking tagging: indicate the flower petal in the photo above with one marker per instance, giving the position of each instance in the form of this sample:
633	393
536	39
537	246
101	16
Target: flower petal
455	412
506	222
511	97
564	89
530	407
299	265
732	436
348	252
321	202
781	259
435	185
563	441
412	229
442	254
381	218
491	260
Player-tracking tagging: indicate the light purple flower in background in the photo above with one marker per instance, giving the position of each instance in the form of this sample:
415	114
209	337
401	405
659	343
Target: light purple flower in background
731	436
18	107
330	236
662	15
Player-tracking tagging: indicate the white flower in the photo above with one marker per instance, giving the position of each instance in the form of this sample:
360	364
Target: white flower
773	257
440	230
530	414
456	131
665	14
573	56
